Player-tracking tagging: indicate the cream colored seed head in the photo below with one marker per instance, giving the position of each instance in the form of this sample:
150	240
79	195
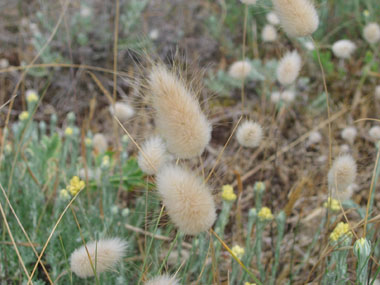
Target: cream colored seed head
162	280
249	134
288	96
269	33
289	68
314	138
187	198
122	111
374	133
272	18
106	252
179	118
342	173
343	48
240	69
349	134
297	17
153	155
275	97
371	33
100	142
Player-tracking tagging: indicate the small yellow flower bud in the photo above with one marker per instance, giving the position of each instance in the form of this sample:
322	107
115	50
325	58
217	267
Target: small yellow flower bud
31	96
88	142
64	195
265	214
23	116
340	230
75	185
69	131
228	193
238	251
332	204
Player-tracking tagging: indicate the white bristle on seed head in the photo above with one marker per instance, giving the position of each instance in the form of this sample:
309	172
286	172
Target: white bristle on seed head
344	148
269	33
374	133
100	142
248	2
346	194
179	118
187	199
240	69
314	138
342	173
289	68
272	18
288	96
122	111
377	92
249	134
162	280
349	134
371	33
153	155
297	17
275	97
106	252
343	48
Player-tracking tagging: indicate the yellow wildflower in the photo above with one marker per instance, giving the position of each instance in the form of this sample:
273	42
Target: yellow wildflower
88	141
105	161
333	204
340	230
247	283
75	185
238	251
265	214
69	131
31	96
228	193
23	116
366	13
64	195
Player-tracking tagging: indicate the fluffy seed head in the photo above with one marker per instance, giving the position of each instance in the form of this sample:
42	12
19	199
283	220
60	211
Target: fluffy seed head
187	198
374	133
343	48
314	137
288	96
163	280
179	118
154	155
371	33
122	111
269	33
106	252
272	18
249	134
100	142
275	97
297	17
349	134
289	68
248	2
240	69
342	173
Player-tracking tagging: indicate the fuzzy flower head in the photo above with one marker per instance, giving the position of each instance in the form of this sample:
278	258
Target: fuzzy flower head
269	33
342	173
122	111
105	252
228	193
265	214
64	194
249	134
88	142
238	251
178	117
105	162
288	96
362	248
371	33
187	199
343	48
272	18
332	204
24	116
374	133
275	97
349	134
75	185
297	17
162	280
31	96
153	155
100	142
69	132
342	229
259	187
289	68
240	69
